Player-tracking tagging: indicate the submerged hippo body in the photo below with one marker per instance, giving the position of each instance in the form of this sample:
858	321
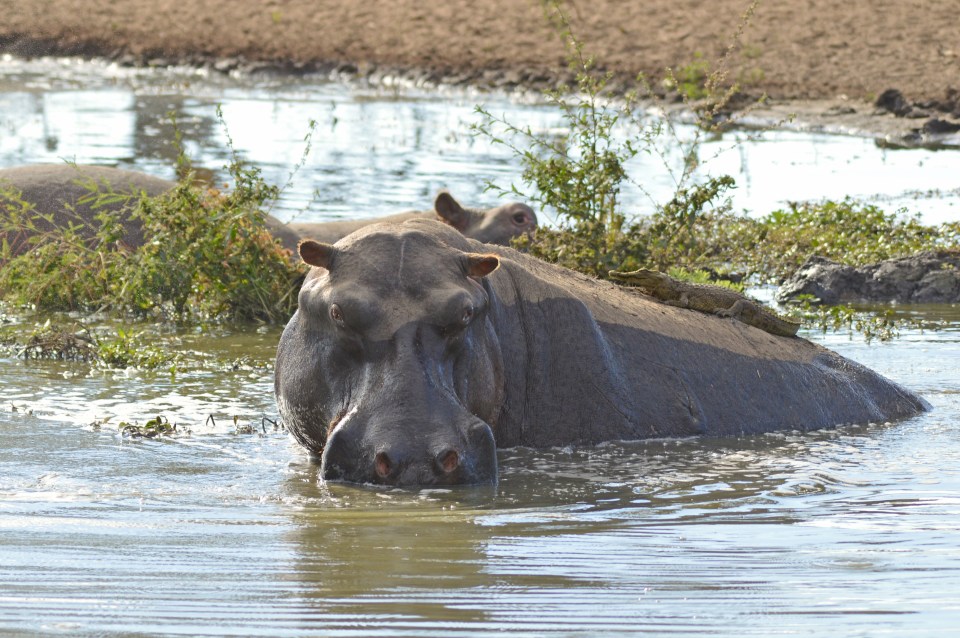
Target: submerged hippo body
59	190
413	355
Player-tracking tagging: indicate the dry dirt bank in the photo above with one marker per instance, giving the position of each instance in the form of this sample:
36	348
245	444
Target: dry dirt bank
847	53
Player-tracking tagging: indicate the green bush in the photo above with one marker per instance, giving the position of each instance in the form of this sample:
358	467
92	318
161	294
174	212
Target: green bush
206	255
579	174
847	231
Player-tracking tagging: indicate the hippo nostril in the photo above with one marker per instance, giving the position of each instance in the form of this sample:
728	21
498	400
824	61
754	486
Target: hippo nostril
448	461
382	464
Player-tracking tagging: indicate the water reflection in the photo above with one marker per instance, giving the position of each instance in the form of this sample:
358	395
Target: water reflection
377	151
621	539
385	555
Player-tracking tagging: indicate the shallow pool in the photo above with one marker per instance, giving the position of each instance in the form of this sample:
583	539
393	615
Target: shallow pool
226	529
846	532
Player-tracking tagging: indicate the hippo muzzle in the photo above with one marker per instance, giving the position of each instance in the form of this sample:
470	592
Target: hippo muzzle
461	454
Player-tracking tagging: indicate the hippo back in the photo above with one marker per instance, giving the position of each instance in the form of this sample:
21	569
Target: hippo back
60	191
602	362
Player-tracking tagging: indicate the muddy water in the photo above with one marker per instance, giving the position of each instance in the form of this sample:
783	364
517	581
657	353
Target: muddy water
847	532
226	529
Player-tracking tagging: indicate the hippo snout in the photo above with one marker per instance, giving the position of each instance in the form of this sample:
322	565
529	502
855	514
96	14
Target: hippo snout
431	460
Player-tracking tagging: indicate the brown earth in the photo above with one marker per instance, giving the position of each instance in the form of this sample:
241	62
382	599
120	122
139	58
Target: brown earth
790	50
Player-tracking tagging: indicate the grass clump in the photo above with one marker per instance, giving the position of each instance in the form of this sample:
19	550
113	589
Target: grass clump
690	81
146	347
116	350
158	426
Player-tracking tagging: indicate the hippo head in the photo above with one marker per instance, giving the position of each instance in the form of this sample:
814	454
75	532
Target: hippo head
494	226
390	369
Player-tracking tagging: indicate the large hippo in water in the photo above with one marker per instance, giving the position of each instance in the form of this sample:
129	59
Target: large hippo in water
416	351
59	190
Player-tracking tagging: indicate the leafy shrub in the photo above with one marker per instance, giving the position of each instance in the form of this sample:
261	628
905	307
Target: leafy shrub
847	231
579	174
681	234
206	254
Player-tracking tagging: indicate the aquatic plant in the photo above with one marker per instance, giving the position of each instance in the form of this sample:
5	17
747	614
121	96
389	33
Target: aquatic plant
155	427
101	344
882	325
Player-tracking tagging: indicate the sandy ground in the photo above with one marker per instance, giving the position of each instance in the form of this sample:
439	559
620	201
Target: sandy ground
841	51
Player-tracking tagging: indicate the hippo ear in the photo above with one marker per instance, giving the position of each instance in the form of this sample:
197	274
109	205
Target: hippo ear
478	265
315	253
450	211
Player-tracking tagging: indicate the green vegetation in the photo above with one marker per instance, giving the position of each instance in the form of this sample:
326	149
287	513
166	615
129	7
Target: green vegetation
847	232
155	427
690	81
579	174
160	426
206	255
882	325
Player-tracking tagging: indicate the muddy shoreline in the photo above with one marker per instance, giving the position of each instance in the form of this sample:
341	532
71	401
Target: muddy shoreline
931	124
828	63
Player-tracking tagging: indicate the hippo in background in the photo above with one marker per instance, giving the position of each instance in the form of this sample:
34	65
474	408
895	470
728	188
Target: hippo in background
56	190
415	352
492	226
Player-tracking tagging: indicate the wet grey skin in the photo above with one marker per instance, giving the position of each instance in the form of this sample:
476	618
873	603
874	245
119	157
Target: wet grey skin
416	352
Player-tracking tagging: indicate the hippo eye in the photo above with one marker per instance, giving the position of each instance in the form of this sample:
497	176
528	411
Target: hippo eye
520	219
336	314
466	315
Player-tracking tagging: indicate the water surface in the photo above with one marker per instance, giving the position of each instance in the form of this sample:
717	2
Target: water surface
226	528
382	149
844	532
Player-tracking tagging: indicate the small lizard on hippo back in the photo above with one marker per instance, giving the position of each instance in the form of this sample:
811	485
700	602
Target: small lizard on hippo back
716	300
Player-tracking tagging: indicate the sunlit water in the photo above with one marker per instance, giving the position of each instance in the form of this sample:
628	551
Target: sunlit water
380	150
846	532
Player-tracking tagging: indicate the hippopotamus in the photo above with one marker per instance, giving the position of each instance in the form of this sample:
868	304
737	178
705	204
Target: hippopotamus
415	352
57	190
492	226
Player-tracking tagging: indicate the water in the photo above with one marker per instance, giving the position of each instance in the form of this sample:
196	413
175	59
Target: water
846	532
381	150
